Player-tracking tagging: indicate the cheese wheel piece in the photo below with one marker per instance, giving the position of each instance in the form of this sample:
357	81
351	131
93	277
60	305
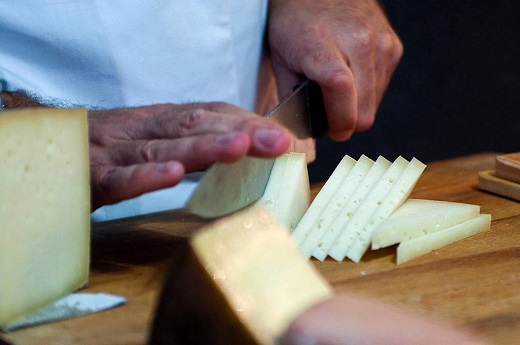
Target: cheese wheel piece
287	194
417	217
44	208
240	280
416	247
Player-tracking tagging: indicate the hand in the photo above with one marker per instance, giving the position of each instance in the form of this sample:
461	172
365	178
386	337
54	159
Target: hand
351	320
346	46
137	150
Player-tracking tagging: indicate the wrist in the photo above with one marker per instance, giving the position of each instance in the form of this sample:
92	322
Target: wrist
10	100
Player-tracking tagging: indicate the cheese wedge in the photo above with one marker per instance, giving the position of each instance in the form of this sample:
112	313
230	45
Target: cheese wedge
322	200
393	199
287	194
229	187
321	226
410	249
417	217
240	280
44	208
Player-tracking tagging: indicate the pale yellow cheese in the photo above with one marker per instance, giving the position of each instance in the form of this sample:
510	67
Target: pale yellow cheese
410	249
322	200
332	224
242	281
417	217
44	208
287	194
385	206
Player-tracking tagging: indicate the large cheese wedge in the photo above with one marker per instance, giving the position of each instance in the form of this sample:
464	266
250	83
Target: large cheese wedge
400	191
358	188
410	249
44	208
417	217
322	200
320	226
287	194
240	280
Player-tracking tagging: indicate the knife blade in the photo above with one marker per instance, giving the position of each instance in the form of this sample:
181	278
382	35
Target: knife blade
226	188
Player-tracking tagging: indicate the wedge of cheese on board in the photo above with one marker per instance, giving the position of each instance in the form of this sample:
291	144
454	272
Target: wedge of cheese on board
287	194
239	280
418	217
44	208
410	249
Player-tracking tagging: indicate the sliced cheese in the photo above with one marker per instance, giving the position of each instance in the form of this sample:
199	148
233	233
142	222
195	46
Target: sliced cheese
322	200
240	280
353	228
333	223
385	207
226	188
413	248
287	194
44	208
417	217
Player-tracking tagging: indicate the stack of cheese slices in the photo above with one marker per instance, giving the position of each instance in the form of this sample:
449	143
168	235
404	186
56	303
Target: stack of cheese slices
366	202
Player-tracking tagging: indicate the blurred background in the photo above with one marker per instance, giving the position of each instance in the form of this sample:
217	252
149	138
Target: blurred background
456	90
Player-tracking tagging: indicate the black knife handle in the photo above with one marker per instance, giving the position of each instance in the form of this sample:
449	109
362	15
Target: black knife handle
317	114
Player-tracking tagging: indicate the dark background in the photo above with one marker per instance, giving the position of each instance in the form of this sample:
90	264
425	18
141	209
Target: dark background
456	90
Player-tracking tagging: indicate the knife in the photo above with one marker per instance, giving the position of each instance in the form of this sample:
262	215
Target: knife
226	188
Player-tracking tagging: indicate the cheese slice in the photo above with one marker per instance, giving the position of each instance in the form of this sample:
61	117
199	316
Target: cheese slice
240	280
44	208
333	223
400	191
322	200
287	194
417	217
361	217
410	249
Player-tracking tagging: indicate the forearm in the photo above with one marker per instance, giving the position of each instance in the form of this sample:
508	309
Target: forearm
13	100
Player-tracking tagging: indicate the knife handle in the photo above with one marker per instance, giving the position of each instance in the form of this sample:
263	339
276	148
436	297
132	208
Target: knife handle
317	114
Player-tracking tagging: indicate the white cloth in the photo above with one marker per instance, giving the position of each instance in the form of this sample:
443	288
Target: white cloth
105	54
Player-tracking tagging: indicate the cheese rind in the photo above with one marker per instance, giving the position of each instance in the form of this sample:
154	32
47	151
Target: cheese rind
256	272
417	217
411	249
44	208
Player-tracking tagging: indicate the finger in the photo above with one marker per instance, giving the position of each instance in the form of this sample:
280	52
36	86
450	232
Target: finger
198	152
387	58
328	68
176	121
113	184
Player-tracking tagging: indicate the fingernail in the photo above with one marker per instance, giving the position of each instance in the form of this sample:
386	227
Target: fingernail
225	138
267	137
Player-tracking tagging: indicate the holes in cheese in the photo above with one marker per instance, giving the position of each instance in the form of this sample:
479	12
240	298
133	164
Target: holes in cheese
410	249
287	194
237	281
418	217
44	208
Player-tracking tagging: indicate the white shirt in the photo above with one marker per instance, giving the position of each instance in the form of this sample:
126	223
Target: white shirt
105	54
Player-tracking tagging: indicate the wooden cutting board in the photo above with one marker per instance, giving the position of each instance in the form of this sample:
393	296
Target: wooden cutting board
474	283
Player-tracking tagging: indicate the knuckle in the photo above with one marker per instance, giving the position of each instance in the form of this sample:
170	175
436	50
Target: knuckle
148	152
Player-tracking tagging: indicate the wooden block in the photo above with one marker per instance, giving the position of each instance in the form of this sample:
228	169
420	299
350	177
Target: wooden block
494	184
508	167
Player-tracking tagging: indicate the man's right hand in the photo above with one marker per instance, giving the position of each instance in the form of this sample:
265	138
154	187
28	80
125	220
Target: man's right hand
137	150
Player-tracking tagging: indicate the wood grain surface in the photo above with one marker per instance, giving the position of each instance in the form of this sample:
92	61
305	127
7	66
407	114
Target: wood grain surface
474	283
